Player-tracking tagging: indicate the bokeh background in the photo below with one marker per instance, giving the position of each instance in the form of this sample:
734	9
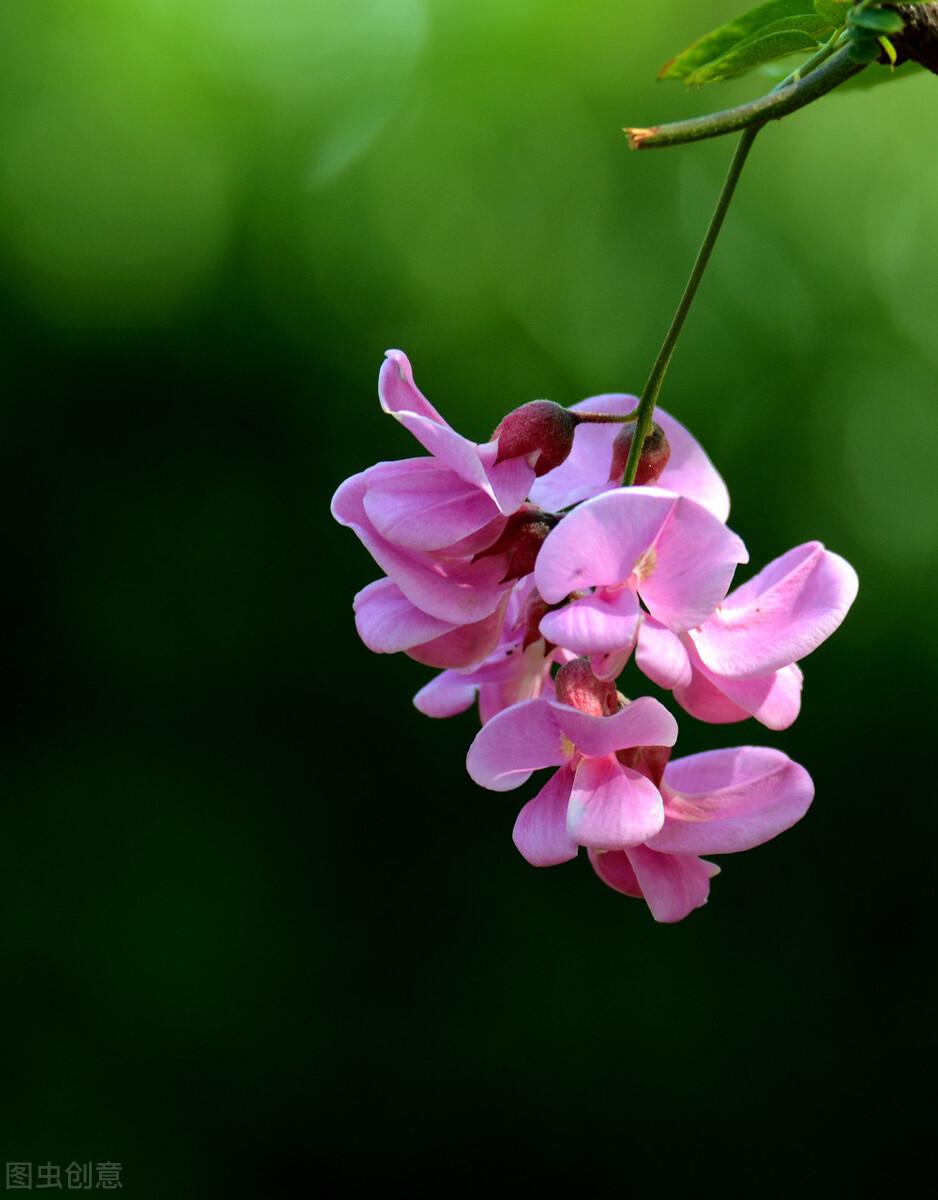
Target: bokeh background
259	929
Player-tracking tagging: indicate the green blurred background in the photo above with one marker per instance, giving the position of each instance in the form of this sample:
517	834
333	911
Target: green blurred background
260	929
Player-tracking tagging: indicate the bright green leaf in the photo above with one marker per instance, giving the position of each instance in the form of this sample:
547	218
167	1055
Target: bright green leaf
878	20
752	53
720	41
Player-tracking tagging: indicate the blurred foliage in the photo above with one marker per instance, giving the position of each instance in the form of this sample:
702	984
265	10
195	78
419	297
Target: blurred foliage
262	928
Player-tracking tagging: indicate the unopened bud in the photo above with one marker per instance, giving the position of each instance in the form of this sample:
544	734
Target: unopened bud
541	431
576	685
521	539
653	459
649	761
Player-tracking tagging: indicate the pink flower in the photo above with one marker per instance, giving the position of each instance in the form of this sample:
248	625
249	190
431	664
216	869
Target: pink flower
645	823
594	799
629	543
517	669
740	662
585	473
720	802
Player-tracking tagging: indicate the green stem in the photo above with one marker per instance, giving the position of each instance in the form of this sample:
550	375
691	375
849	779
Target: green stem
649	397
584	418
779	103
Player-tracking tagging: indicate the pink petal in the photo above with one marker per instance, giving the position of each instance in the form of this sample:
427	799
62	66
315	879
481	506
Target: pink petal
463	646
704	700
610	665
673	885
517	741
387	621
613	867
689	471
540	831
781	615
397	391
661	655
682	557
643	722
774	700
729	800
585	472
612	806
600	623
446	695
457	592
424	506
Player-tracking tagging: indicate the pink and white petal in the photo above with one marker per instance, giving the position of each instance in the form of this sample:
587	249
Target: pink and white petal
540	831
774	700
781	615
458	592
397	392
643	722
685	574
703	700
613	868
585	471
612	806
446	695
689	471
387	622
662	656
601	623
610	666
422	505
464	646
516	742
673	884
509	481
724	801
602	541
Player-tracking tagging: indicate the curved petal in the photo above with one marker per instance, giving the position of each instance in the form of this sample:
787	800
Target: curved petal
610	665
612	806
540	831
585	472
681	557
387	621
397	392
601	623
781	615
446	695
613	868
643	722
516	742
704	700
774	700
464	646
457	592
422	505
673	884
662	656
729	800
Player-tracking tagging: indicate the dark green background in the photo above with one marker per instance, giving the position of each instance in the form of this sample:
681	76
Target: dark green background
259	929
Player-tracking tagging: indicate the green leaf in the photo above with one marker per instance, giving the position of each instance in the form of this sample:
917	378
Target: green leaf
752	54
878	20
720	41
834	11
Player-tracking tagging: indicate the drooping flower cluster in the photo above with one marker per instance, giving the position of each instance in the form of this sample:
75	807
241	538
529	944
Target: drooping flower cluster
526	573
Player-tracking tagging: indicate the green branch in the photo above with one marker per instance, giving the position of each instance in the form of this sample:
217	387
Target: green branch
831	74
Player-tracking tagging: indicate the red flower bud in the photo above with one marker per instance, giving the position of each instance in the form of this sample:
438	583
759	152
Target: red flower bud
521	539
577	686
649	761
653	460
540	431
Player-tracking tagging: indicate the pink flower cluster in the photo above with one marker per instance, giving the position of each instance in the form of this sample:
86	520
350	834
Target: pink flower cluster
524	572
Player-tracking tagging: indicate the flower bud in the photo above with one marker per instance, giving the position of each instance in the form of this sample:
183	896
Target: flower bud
521	539
649	761
576	685
534	611
541	431
653	460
